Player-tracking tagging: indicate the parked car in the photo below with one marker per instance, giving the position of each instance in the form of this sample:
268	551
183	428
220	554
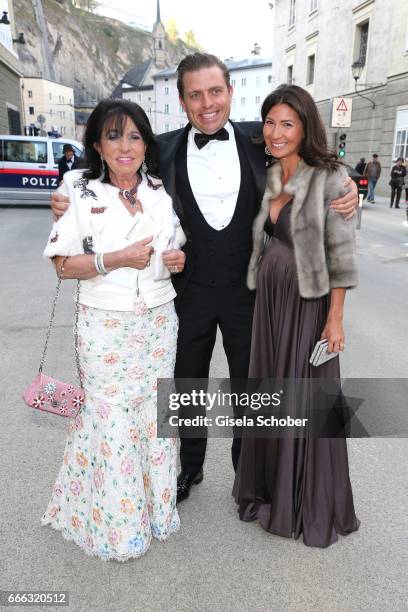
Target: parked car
29	168
360	180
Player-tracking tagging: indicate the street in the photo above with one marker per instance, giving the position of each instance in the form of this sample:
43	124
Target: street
215	562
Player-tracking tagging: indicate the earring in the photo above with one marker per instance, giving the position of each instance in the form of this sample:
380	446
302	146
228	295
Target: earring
267	151
102	174
144	166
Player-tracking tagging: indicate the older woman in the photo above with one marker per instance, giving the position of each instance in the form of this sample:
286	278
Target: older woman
117	484
290	485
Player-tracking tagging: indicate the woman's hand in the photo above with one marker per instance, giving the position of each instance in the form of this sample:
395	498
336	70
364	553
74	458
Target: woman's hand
348	204
59	205
174	259
333	332
137	255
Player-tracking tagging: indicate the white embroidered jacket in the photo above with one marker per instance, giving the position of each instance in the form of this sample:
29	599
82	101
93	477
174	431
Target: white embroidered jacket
98	218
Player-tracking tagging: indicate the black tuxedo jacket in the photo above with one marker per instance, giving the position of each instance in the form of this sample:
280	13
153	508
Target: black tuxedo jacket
63	168
169	144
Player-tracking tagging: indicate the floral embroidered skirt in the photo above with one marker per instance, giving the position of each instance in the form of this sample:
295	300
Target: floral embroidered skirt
117	485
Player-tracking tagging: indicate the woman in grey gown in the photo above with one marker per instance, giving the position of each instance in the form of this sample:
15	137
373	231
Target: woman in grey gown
298	485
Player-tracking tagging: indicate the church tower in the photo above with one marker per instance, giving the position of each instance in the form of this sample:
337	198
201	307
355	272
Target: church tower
159	39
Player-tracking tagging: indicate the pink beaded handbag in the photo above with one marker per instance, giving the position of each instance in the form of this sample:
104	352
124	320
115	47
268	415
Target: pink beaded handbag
47	393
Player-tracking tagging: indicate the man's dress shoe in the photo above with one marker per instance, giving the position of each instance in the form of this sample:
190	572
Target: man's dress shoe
185	482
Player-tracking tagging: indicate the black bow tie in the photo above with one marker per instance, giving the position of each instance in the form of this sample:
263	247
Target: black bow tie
202	139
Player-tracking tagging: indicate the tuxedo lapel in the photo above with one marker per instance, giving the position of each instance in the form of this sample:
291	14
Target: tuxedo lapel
255	155
168	146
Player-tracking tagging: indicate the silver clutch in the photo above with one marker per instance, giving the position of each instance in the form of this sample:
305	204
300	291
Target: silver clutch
320	354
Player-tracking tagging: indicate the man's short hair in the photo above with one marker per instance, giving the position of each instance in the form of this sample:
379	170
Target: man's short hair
67	147
196	61
375	155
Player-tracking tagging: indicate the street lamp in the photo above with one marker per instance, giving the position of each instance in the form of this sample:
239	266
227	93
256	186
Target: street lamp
20	40
4	18
356	69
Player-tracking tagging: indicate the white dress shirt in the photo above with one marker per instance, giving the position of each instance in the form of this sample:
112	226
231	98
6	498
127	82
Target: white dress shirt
214	173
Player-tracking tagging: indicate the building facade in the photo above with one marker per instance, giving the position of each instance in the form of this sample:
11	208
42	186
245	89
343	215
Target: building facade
10	73
251	80
316	44
48	107
138	83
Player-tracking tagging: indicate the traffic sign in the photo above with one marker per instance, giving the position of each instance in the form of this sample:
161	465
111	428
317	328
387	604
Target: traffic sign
341	112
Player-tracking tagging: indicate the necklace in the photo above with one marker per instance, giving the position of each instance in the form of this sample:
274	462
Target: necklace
131	194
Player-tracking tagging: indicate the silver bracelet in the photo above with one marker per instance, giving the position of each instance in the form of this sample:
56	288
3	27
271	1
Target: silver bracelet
99	266
102	264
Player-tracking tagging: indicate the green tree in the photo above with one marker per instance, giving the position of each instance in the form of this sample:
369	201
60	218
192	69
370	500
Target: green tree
172	30
190	39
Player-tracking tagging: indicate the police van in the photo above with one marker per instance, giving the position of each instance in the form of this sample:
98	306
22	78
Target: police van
29	168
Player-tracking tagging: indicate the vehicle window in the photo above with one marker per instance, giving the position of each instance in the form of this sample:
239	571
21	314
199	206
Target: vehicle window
25	151
57	147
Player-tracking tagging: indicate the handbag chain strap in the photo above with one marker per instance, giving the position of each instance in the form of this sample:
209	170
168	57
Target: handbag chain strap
51	321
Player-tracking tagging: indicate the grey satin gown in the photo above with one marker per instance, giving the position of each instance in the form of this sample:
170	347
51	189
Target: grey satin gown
292	486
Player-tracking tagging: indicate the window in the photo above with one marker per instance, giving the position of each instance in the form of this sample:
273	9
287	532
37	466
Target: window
139	97
313	6
242	119
13	118
167	127
257	99
233	82
310	70
181	110
25	151
361	42
401	134
242	101
289	78
57	147
243	81
166	91
167	108
181	125
258	80
257	118
31	110
292	13
269	78
30	93
50	96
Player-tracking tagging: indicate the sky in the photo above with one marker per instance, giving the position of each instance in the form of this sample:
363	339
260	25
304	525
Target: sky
223	27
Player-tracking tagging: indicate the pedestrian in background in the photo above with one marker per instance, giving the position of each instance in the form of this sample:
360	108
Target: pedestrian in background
69	161
372	172
360	167
398	173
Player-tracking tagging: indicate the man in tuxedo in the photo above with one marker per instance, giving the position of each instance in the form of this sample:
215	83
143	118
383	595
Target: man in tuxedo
216	175
68	161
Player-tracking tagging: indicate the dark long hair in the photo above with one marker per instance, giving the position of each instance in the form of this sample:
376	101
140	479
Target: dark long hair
313	149
113	113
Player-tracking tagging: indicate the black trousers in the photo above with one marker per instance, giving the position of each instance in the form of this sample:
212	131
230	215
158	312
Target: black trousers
395	194
201	310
